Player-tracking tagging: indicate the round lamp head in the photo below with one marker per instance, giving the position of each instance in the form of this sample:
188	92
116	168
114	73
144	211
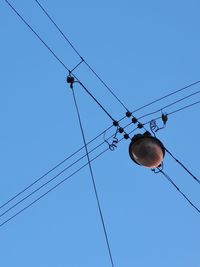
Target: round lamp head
146	150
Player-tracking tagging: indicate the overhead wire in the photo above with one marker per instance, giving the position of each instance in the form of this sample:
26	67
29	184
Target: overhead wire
169	105
76	51
182	165
144	106
45	44
57	58
51	189
54	177
55	186
93	179
178	189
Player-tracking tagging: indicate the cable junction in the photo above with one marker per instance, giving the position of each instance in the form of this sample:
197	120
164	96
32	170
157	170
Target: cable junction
81	58
62	181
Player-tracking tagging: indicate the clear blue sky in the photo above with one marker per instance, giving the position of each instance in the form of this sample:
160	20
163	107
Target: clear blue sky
143	50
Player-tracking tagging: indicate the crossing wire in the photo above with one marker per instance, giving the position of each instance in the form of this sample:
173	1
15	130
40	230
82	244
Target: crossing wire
51	189
57	58
62	181
65	169
93	179
178	189
76	51
183	166
171	104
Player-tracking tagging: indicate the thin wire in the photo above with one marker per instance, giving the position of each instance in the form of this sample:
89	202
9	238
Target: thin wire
173	112
25	189
166	96
169	105
35	33
159	99
51	170
178	189
177	110
183	166
51	189
185	107
49	181
61	62
96	101
76	51
93	180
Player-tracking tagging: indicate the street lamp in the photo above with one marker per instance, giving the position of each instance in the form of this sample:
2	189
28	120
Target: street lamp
146	150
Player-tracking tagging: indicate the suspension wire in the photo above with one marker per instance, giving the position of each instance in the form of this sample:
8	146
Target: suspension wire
93	179
178	189
183	166
58	59
44	175
76	51
101	80
51	189
185	107
140	108
168	95
37	35
51	170
51	180
96	101
178	110
173	112
171	104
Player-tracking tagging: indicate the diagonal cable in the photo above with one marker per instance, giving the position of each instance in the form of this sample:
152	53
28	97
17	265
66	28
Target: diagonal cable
183	166
51	189
93	179
178	189
76	51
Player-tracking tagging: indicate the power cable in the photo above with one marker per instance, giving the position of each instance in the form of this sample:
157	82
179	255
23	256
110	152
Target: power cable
58	59
173	112
51	170
76	51
166	96
37	35
178	189
185	107
178	110
93	179
51	189
25	189
183	166
171	104
144	106
46	183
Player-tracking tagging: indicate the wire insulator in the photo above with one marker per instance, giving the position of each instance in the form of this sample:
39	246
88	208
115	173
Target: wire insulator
115	123
126	136
128	114
121	130
140	125
134	120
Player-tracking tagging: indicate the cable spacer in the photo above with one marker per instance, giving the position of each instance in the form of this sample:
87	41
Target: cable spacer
134	120
121	130
115	123
128	114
